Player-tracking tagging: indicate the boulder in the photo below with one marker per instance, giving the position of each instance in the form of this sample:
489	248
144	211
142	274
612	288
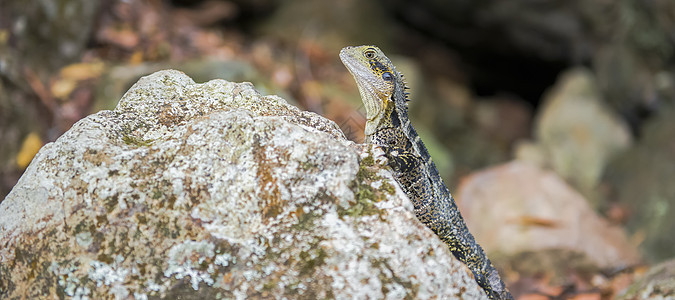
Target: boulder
576	132
640	180
518	208
213	191
657	283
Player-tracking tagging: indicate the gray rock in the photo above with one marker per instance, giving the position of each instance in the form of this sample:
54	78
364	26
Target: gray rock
641	180
214	191
576	132
658	283
538	212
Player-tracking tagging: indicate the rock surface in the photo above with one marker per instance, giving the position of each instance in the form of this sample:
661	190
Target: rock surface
576	133
518	207
658	283
641	180
578	130
214	191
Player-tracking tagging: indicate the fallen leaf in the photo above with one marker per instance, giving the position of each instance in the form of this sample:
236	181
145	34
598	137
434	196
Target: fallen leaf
62	88
136	58
31	145
4	36
534	297
82	71
71	75
124	38
534	221
587	296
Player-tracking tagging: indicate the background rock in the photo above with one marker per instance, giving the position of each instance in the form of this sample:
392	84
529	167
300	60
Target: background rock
657	283
641	181
212	190
576	132
518	207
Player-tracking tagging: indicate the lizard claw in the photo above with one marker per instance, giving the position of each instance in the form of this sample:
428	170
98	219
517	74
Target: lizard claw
380	156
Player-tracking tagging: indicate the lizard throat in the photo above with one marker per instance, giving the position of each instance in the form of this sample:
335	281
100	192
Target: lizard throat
376	105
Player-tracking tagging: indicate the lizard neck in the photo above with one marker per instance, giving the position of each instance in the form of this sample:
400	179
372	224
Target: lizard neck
386	130
388	126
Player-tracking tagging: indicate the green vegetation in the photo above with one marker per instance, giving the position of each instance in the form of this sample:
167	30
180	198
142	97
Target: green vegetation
365	195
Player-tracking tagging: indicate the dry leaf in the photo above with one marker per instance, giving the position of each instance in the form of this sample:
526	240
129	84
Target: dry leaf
587	296
31	145
125	38
70	75
535	221
136	58
82	71
62	88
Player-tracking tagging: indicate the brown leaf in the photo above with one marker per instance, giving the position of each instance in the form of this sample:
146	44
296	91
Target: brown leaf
534	221
121	37
31	145
82	71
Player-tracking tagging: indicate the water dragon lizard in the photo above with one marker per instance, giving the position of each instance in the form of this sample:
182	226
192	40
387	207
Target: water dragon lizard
382	90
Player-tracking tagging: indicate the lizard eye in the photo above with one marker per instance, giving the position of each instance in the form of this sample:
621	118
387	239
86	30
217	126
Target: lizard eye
387	76
369	54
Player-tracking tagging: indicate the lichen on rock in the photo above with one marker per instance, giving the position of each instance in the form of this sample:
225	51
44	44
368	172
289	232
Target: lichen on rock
215	191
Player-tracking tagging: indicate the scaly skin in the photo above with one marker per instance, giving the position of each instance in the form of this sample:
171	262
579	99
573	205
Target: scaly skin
383	93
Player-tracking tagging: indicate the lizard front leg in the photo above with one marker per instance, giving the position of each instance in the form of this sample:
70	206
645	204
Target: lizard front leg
401	160
409	172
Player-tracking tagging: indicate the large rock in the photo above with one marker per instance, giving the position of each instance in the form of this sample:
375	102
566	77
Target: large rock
577	134
212	190
518	208
658	283
641	180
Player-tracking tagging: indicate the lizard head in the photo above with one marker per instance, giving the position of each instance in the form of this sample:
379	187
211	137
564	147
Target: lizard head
376	78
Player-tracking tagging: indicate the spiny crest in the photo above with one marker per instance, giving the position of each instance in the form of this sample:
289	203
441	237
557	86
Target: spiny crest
405	87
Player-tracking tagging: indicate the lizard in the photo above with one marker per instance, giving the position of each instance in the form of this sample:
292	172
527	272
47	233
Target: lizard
384	95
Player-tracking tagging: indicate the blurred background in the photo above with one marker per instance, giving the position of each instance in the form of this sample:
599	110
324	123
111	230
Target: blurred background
562	109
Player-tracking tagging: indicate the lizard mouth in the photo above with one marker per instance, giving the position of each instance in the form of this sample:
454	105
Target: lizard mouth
351	62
